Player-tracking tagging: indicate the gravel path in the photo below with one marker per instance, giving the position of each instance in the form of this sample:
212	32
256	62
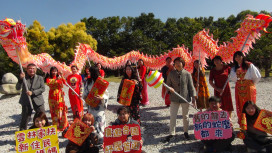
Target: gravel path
155	120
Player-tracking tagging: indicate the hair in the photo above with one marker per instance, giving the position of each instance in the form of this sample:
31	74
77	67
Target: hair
51	70
42	116
180	60
168	58
133	73
94	74
74	66
218	58
86	68
214	99
88	116
31	64
127	62
245	64
195	70
254	117
123	108
141	60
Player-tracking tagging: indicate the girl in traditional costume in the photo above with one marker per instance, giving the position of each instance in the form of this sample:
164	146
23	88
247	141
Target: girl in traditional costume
75	81
246	75
99	111
142	72
201	85
56	101
136	97
218	77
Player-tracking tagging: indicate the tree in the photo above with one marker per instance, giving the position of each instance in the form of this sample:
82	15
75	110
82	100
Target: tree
65	38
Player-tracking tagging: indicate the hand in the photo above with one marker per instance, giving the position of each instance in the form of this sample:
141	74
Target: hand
219	90
171	90
136	82
98	98
140	79
194	102
29	93
92	127
141	142
22	75
80	95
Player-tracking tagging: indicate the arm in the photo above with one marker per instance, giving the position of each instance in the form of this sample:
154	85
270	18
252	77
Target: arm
120	89
254	73
191	88
233	76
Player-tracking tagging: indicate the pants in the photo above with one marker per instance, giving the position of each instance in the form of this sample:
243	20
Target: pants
26	114
174	106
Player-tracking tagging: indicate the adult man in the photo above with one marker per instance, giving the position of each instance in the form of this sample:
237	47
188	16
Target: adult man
180	81
35	84
165	72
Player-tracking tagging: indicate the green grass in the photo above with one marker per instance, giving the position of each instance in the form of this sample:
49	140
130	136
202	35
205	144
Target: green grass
263	73
113	79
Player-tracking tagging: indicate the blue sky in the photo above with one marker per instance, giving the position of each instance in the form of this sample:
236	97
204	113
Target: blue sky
52	13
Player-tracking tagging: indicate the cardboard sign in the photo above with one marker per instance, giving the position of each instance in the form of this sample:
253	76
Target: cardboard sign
264	121
122	139
127	92
98	88
78	132
39	140
212	125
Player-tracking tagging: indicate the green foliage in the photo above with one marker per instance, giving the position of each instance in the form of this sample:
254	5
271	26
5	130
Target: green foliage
65	38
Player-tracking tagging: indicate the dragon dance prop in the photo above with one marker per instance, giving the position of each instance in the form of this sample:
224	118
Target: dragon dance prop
202	42
155	79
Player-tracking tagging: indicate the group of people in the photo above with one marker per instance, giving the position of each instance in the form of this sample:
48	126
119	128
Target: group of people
193	87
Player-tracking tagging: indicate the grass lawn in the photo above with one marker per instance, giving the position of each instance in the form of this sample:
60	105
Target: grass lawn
114	79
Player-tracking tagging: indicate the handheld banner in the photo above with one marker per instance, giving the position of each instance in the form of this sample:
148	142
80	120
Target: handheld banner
122	139
212	125
39	140
98	88
264	121
127	92
78	132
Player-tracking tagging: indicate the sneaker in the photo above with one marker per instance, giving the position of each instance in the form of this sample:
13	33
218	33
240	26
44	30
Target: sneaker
168	138
186	135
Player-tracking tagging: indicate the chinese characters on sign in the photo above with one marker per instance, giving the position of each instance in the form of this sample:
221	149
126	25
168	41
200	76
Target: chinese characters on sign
40	140
212	125
122	138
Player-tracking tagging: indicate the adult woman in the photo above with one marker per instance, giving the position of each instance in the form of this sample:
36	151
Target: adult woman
40	120
56	101
75	81
136	97
142	72
89	145
201	85
246	75
218	77
86	75
99	111
166	69
101	71
255	140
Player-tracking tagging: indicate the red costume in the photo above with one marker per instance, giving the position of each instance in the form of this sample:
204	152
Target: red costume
75	81
102	73
142	72
220	77
56	102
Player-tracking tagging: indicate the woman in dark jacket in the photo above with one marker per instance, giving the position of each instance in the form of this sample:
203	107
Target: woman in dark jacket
135	101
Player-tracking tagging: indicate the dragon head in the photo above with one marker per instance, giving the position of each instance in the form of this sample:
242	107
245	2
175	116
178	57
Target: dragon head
12	31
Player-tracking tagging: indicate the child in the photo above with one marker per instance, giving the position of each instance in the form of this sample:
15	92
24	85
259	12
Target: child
89	145
218	144
255	140
124	118
40	120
